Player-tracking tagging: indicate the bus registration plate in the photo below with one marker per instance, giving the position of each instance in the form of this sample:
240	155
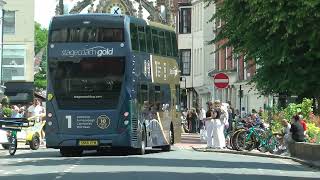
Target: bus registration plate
88	143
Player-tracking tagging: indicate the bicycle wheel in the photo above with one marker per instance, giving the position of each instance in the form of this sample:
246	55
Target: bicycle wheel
228	140
274	144
233	140
244	142
13	146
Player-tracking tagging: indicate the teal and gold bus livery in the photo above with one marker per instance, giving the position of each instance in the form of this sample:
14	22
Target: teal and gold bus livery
113	81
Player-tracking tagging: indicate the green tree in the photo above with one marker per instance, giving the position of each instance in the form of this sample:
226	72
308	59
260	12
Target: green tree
282	36
40	78
41	38
41	41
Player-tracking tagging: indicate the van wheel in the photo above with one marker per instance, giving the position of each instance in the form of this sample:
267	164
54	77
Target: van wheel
35	142
142	149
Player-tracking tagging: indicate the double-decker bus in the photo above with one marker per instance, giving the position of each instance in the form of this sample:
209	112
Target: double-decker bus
113	82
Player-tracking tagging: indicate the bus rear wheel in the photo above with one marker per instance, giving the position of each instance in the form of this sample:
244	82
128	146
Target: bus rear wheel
68	152
171	140
142	149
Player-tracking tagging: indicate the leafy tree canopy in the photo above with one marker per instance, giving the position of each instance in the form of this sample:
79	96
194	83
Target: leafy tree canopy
41	41
41	38
282	36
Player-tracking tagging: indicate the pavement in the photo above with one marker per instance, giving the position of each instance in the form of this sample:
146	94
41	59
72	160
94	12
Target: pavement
180	163
192	141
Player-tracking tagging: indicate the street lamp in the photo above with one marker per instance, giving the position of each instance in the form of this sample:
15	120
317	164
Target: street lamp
185	87
185	82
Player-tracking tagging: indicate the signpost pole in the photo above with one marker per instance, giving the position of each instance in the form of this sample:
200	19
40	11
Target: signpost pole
240	96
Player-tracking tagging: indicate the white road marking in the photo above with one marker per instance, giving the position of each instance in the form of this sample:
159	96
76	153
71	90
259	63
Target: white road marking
20	161
6	173
18	170
58	177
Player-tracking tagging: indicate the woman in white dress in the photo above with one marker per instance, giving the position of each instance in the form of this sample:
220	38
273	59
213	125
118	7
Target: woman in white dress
219	140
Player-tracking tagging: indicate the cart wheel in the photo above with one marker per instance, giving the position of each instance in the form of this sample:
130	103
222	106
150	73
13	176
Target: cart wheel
35	142
5	146
13	146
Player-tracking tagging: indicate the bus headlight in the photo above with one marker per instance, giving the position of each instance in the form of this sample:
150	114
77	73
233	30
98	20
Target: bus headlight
126	122
50	123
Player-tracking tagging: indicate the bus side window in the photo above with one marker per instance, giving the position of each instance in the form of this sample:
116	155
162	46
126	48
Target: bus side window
142	38
134	37
157	99
143	94
168	43
74	35
152	97
149	40
162	43
155	41
174	44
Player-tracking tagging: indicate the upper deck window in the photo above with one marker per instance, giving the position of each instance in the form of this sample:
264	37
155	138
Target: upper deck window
87	34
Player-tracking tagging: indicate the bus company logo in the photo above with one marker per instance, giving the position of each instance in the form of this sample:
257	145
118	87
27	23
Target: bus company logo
103	122
98	51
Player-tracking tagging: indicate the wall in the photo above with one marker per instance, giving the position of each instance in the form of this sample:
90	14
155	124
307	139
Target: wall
306	151
24	32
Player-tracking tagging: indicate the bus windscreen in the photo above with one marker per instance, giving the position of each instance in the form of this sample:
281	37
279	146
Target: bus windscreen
86	34
91	83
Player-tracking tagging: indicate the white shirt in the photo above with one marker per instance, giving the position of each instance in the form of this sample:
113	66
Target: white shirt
202	114
287	129
36	111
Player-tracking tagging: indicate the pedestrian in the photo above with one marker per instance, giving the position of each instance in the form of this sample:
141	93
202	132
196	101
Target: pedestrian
304	124
286	133
36	112
230	118
202	116
210	116
219	123
16	112
297	129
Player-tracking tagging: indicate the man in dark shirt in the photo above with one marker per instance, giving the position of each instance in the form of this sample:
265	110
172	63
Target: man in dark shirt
297	130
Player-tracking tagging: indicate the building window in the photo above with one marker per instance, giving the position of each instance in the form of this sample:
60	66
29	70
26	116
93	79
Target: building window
185	55
9	22
185	21
13	62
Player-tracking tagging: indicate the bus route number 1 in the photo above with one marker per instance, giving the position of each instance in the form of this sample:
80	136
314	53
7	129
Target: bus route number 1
69	121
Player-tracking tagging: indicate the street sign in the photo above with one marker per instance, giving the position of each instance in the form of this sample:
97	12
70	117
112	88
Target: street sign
221	80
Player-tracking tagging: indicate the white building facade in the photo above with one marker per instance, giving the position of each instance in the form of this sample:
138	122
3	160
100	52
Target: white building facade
242	95
196	56
2	3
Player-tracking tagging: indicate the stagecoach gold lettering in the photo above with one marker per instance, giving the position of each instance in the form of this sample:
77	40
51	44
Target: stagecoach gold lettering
84	122
95	51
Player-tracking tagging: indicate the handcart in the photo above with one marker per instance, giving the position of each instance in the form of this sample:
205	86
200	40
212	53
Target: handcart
8	132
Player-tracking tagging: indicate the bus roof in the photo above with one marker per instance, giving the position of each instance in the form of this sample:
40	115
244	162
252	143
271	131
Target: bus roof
161	26
112	17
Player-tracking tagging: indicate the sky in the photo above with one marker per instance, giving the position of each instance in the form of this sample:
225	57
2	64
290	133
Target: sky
44	11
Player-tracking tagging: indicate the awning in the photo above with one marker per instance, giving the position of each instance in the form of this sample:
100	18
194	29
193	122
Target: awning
19	92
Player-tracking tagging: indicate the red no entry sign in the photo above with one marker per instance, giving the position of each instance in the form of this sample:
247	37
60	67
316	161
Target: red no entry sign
221	80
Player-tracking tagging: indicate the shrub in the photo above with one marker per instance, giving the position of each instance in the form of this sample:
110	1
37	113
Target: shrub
7	112
313	133
305	108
